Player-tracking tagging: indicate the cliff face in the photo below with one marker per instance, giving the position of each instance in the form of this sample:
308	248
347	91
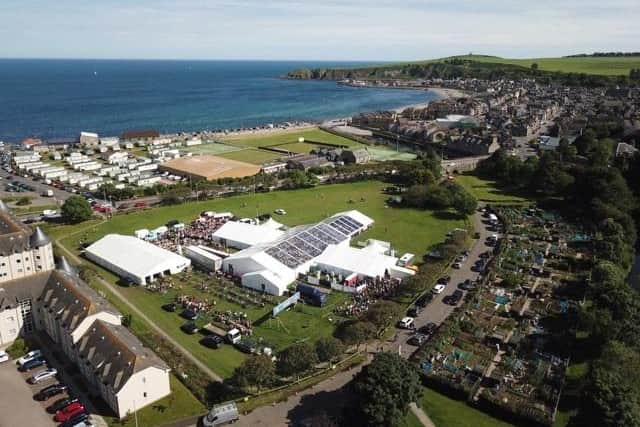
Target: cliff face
345	73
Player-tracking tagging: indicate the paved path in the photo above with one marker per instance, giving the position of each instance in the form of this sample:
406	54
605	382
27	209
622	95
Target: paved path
135	310
420	414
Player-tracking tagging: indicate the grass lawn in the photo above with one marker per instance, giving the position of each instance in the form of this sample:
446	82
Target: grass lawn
410	230
180	404
298	147
251	155
311	135
410	421
610	66
215	148
446	412
488	191
384	154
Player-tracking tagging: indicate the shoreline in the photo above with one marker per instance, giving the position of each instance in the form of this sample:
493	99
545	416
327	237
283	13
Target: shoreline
295	126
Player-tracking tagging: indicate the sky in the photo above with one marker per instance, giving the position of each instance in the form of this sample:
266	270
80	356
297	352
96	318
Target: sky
314	29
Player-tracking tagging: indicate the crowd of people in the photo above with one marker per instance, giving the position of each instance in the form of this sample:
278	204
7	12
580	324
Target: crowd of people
199	232
232	319
375	289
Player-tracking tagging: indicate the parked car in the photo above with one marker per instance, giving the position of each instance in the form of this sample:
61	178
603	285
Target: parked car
418	340
424	300
189	314
437	289
406	323
43	376
467	285
33	354
80	420
32	364
246	346
212	341
457	265
4	356
454	298
170	307
76	408
50	391
428	329
225	413
189	328
60	404
414	311
280	211
444	280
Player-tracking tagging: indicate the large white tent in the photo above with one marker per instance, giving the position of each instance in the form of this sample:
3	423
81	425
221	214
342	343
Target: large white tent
242	235
272	265
135	259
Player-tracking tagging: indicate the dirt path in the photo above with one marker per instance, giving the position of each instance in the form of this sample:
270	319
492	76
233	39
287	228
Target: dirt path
115	291
421	415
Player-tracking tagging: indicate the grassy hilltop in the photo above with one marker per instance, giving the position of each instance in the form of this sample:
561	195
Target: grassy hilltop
591	70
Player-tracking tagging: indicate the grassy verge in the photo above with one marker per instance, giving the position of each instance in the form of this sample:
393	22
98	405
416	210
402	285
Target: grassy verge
286	137
180	404
489	191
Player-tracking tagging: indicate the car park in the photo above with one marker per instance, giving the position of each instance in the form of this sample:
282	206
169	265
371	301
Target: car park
418	339
439	288
33	354
189	328
43	376
406	323
50	391
32	364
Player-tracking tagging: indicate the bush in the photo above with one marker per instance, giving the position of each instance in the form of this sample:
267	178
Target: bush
19	348
24	201
329	349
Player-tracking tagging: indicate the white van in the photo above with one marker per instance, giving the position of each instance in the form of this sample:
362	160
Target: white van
234	336
406	323
225	413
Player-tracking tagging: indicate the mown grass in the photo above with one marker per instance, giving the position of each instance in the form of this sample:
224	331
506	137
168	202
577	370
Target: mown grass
446	412
287	137
250	155
608	66
488	191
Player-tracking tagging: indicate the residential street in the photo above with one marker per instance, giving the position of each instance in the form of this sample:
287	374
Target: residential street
329	393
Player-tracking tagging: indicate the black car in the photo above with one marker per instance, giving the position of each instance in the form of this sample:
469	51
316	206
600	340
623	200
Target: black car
246	346
467	285
189	328
189	314
60	404
212	341
428	329
76	419
414	311
32	364
418	340
170	307
424	300
444	280
50	391
454	298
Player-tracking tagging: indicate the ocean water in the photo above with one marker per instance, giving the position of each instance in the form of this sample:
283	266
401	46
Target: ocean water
60	98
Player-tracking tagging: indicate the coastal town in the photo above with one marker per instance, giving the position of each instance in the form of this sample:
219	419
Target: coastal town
460	252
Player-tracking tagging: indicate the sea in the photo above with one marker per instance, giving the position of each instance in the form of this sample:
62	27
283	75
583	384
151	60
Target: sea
57	99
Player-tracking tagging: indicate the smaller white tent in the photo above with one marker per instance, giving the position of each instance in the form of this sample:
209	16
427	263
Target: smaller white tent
241	235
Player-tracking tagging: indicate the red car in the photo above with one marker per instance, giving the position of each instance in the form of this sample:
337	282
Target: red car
140	205
70	411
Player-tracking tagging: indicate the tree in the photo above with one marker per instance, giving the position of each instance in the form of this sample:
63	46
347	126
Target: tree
611	397
534	66
76	209
384	389
256	371
329	349
296	359
355	332
383	313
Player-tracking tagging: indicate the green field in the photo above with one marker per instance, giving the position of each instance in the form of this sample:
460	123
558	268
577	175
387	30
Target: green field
214	149
297	147
446	412
384	154
488	191
409	230
311	135
609	66
250	155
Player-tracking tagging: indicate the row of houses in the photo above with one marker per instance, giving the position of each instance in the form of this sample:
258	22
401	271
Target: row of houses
38	296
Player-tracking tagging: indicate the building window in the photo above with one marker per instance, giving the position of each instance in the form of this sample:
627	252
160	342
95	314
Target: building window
144	394
18	261
37	256
12	331
19	270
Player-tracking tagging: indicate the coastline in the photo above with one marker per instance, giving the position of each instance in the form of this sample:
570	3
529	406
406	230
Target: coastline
442	92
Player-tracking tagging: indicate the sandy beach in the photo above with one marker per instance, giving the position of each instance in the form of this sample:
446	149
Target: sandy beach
444	93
